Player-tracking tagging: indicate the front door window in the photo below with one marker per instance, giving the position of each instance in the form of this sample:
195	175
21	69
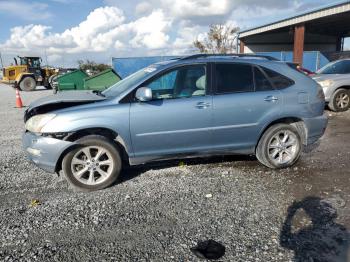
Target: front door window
179	83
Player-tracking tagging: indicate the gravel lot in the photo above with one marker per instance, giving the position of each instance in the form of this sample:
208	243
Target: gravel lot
159	211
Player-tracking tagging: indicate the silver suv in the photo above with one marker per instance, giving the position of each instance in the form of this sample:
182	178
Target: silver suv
335	81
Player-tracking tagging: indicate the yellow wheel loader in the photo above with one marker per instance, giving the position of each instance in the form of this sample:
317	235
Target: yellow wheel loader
27	73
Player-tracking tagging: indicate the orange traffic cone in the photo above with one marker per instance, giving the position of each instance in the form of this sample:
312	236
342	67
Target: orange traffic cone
19	103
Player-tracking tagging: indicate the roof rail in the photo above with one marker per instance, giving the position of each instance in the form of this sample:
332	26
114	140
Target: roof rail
229	55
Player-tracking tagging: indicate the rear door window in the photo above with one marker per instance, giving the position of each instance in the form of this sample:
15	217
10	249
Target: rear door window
234	78
279	81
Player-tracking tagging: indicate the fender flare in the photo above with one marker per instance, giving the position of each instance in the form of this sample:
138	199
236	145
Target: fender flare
21	76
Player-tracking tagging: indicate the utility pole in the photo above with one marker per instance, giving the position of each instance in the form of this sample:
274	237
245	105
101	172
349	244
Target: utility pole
2	65
47	63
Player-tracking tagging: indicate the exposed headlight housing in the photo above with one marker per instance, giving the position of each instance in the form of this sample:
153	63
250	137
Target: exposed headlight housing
326	83
36	123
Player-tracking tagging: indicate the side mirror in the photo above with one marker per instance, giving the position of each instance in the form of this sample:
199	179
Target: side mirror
144	94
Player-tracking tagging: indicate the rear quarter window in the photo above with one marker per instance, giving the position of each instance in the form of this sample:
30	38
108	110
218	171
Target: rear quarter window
278	80
261	81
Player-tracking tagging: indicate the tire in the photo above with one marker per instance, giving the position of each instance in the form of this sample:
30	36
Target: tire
88	174
340	100
50	81
48	86
274	155
27	84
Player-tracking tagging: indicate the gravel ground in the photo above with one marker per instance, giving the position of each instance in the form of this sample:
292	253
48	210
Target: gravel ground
157	212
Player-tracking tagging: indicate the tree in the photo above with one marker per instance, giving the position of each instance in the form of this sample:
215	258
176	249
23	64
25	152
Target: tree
221	39
92	67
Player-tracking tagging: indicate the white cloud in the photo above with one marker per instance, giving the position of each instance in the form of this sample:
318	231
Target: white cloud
186	36
150	31
104	30
89	33
160	27
118	45
143	8
34	37
54	58
193	8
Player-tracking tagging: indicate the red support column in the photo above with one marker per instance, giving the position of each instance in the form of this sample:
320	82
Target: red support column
299	38
339	44
241	47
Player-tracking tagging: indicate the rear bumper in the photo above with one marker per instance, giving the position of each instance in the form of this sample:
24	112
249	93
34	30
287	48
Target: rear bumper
44	151
316	127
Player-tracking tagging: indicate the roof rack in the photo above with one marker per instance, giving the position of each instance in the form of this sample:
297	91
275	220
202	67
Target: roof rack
270	58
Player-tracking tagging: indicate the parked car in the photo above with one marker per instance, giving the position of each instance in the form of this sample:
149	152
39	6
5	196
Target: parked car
335	81
193	106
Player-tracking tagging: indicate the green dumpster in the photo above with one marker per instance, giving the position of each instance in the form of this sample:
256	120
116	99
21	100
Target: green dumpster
102	80
72	81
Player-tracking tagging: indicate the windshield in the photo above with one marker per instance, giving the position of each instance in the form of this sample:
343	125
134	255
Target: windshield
30	61
338	67
128	82
35	63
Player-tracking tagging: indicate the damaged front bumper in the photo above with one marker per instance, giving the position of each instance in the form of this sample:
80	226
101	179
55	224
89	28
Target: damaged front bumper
45	152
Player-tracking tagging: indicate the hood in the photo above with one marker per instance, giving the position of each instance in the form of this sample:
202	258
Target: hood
60	101
322	77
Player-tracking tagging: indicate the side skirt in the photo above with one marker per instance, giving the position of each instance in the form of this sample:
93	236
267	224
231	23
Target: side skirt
146	159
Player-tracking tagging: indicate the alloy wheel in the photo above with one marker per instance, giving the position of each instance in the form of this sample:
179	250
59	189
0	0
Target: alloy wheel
92	165
283	147
342	100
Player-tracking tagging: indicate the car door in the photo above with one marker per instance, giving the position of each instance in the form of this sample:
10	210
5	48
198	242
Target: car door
177	119
239	108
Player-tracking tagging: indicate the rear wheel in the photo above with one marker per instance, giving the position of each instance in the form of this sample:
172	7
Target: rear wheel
94	165
27	84
340	100
279	147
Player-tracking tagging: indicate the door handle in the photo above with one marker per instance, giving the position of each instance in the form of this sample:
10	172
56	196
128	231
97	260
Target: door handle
202	105
271	99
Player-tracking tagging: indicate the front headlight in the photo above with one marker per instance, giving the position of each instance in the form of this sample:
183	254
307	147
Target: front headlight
326	83
36	123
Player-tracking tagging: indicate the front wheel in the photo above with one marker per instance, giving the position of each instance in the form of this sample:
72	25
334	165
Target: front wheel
27	84
279	147
340	100
94	165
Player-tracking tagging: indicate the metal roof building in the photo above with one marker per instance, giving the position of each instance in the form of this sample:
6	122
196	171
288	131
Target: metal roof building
322	29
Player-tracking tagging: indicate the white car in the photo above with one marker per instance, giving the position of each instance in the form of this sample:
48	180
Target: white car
335	81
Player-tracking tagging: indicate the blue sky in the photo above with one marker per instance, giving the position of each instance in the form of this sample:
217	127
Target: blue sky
68	30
